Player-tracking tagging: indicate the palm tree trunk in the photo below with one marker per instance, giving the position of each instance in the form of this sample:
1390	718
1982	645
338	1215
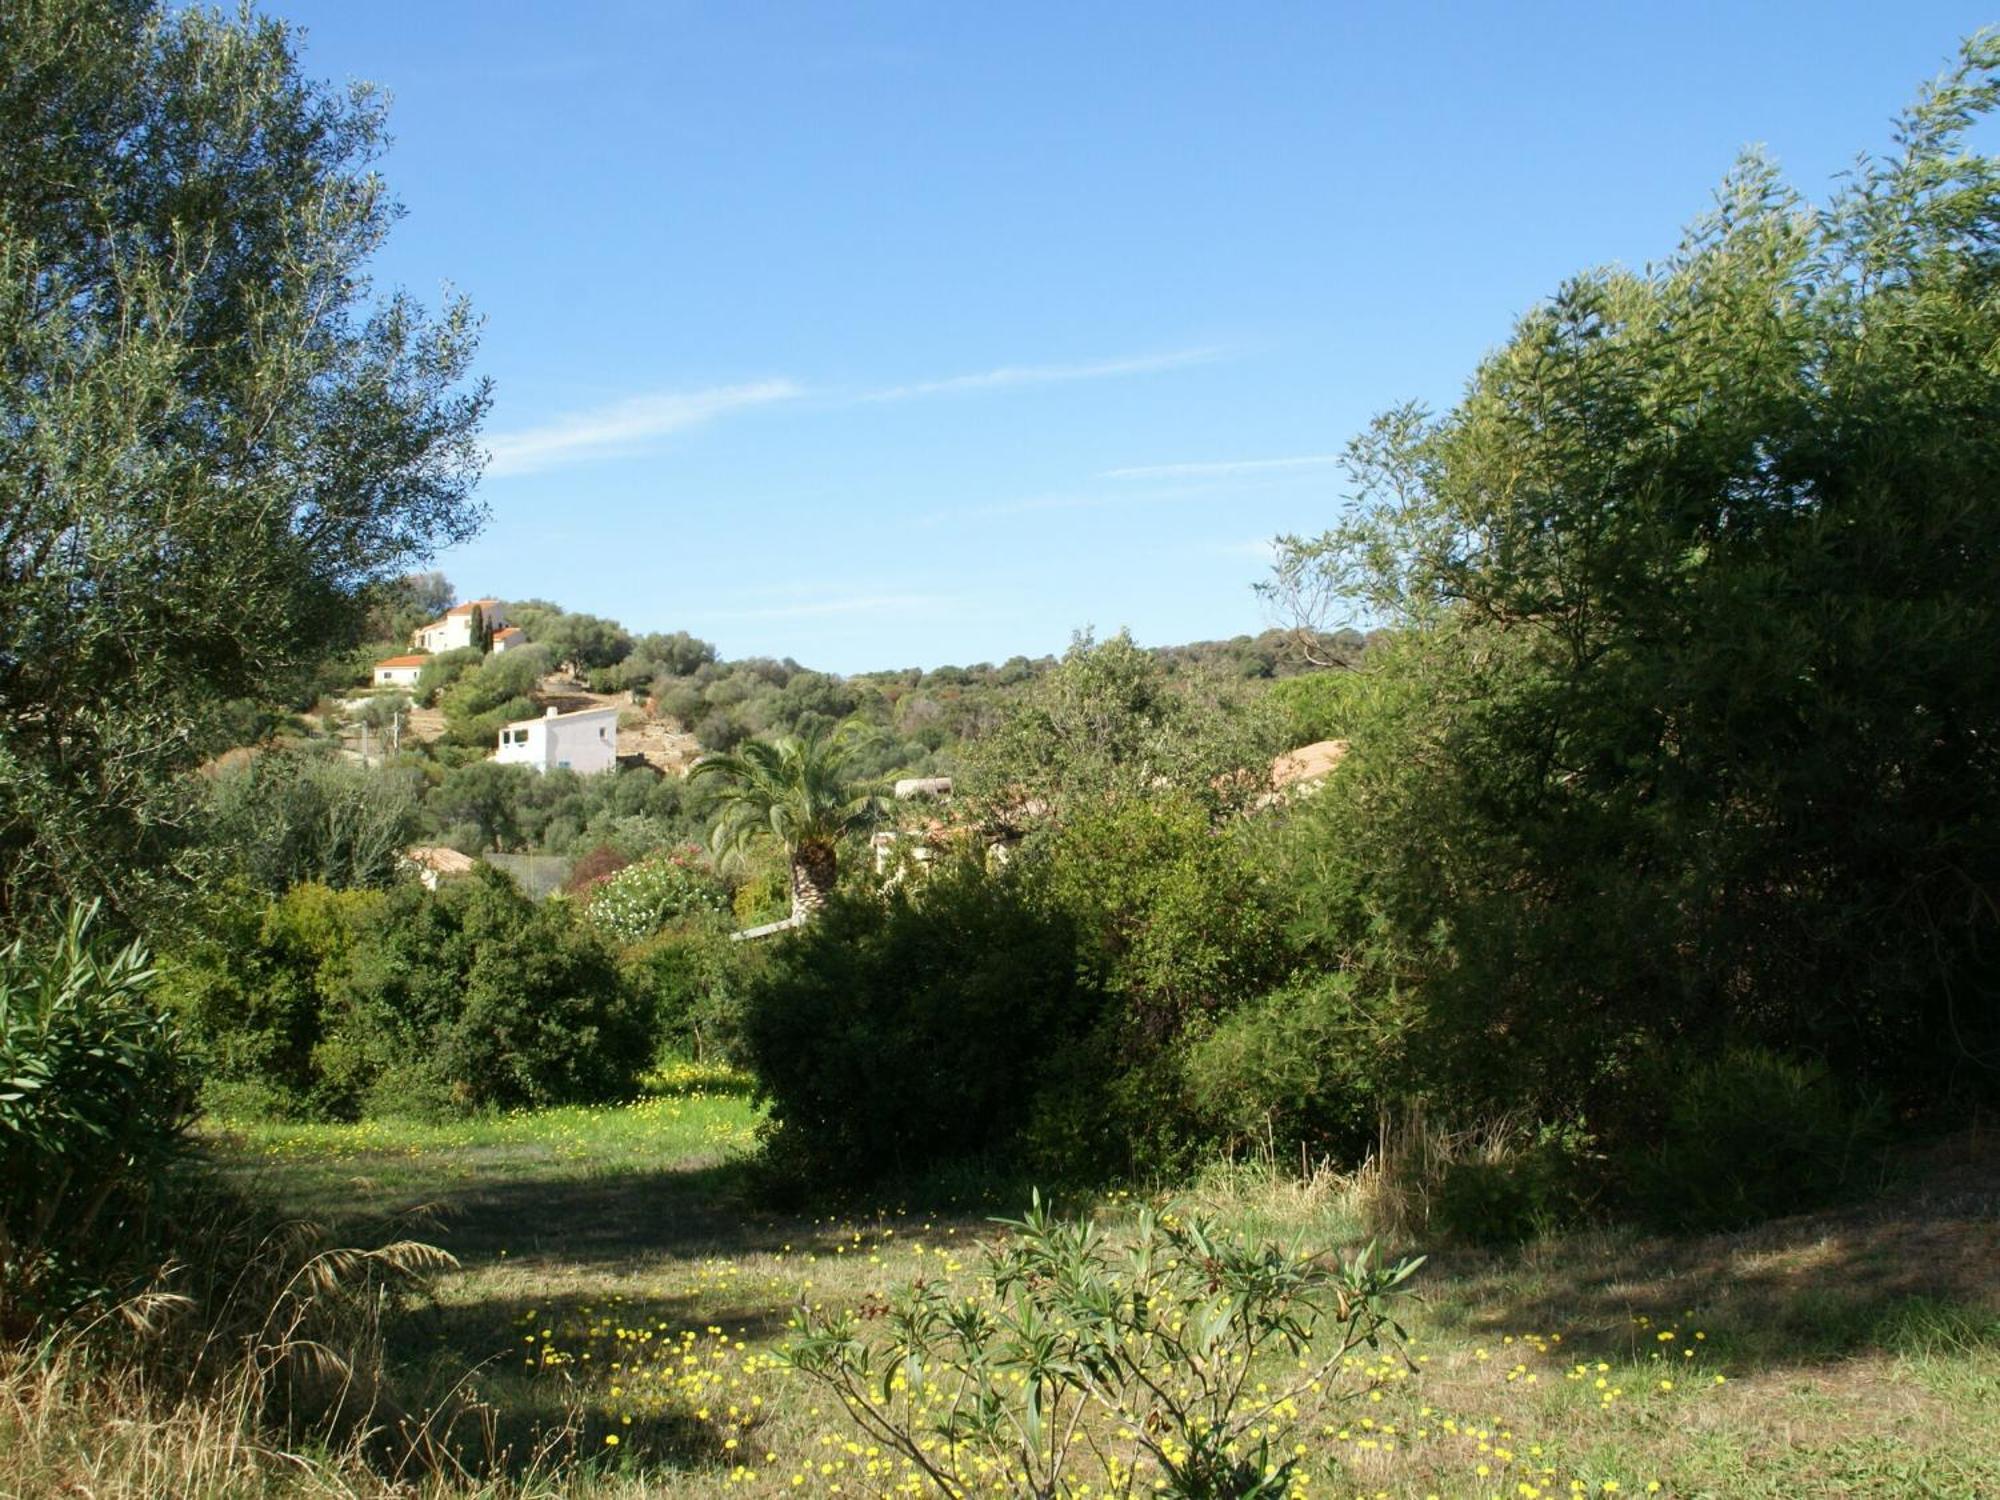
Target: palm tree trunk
815	866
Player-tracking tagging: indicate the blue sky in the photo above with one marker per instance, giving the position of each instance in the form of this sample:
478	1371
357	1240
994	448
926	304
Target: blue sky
902	334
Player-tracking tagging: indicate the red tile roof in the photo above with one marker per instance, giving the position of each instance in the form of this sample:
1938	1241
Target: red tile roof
402	661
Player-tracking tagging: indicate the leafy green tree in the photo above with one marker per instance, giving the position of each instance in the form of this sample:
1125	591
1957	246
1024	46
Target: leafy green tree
288	817
485	796
495	691
796	791
583	643
677	654
214	438
1112	721
399	606
1688	731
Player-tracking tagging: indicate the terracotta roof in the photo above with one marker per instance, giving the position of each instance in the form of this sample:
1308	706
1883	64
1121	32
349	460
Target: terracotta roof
504	633
1307	763
436	624
402	661
469	607
440	859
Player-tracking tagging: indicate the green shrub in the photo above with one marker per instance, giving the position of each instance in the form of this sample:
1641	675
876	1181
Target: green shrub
442	670
488	1000
333	1004
1750	1134
898	1032
1296	1067
1530	1191
289	817
1320	705
764	895
692	979
640	899
1173	931
94	1094
257	989
1073	1339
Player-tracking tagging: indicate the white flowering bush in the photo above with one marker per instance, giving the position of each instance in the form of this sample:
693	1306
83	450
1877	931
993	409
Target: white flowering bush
640	899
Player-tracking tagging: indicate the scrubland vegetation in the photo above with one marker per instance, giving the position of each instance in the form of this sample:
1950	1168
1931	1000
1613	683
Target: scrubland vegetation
1586	1087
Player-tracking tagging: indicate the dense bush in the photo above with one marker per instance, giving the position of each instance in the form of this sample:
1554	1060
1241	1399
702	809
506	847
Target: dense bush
335	1004
94	1093
1042	1013
893	1033
258	985
694	980
443	670
1174	931
498	691
475	997
1300	1066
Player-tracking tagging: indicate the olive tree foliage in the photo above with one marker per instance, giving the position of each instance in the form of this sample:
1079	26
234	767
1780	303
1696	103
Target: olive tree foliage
215	438
1113	721
1688	729
289	817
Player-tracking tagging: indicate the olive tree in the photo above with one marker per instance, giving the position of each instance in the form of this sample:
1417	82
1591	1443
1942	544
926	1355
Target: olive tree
216	439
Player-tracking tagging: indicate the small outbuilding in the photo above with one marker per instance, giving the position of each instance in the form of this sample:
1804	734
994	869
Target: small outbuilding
400	671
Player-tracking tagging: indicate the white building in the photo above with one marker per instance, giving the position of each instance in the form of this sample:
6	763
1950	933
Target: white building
399	671
507	638
457	627
585	742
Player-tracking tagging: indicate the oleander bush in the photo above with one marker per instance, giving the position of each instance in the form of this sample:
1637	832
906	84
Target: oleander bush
94	1094
635	902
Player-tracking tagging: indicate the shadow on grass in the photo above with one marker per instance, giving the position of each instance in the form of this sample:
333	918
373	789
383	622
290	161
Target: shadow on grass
1915	1276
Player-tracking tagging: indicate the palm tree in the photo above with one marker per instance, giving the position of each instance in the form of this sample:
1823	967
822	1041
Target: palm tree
794	790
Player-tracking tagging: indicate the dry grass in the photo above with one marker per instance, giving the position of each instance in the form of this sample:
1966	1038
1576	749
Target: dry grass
617	1282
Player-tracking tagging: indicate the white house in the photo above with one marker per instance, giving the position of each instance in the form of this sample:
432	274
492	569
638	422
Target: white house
454	629
507	638
399	671
585	741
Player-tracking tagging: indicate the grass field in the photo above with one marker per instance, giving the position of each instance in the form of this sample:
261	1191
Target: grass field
620	1295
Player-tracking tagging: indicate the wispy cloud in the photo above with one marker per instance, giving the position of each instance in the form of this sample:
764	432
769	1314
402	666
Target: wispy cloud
1009	376
624	425
1236	468
631	424
857	604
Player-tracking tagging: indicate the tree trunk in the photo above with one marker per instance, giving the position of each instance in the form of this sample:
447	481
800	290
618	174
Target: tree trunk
814	868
